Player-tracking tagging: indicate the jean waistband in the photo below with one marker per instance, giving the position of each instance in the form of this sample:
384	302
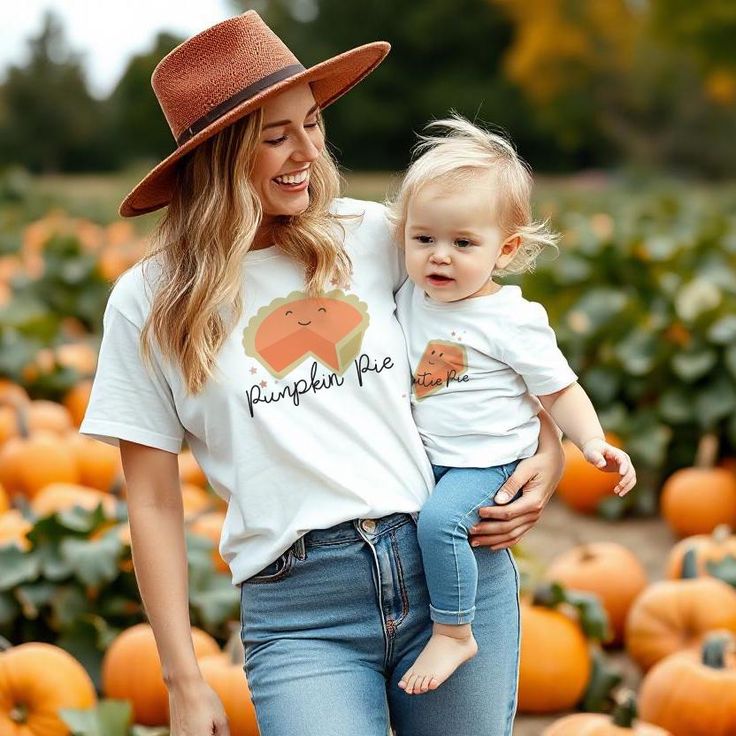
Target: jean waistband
347	531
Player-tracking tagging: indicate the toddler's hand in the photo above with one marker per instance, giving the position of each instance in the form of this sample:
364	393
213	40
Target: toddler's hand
611	460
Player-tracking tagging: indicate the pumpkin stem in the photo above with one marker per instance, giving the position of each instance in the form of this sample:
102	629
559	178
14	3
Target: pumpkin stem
4	644
586	554
624	713
721	533
234	645
22	414
707	452
19	713
689	565
715	648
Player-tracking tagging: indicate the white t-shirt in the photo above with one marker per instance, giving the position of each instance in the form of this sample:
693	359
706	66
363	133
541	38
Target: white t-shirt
476	363
307	422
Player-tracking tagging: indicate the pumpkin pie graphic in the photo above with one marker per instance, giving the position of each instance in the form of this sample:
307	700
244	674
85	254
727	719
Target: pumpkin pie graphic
439	360
291	329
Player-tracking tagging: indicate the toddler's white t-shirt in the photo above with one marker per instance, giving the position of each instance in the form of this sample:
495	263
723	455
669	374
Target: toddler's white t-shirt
477	364
307	421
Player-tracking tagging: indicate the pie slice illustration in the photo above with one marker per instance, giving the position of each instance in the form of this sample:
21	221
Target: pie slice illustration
440	360
290	329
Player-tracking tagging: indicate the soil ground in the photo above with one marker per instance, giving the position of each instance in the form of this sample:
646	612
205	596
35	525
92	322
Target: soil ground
558	530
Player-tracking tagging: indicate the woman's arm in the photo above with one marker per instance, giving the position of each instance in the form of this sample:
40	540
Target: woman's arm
160	562
536	477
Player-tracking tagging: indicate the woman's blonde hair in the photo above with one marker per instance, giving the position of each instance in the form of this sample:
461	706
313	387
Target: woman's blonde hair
203	237
458	157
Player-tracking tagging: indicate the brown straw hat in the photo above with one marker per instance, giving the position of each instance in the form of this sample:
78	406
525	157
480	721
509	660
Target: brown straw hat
223	73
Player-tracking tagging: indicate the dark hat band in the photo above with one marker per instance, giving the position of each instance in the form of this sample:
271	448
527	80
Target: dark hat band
245	94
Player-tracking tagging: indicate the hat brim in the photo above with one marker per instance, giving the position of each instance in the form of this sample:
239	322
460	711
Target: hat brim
330	79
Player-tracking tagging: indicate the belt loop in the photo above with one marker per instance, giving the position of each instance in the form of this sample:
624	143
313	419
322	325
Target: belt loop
299	549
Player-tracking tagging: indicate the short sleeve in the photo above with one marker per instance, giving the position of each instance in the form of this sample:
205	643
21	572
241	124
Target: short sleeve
128	401
532	351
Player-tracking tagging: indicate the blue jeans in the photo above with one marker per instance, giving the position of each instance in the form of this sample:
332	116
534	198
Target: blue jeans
331	626
444	522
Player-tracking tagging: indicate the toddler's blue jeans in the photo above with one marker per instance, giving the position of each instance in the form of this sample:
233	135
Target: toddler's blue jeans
444	522
331	626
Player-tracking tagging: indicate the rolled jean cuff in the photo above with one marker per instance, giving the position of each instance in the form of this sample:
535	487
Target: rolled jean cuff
455	618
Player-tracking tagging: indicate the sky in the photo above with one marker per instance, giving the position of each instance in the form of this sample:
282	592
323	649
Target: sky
105	32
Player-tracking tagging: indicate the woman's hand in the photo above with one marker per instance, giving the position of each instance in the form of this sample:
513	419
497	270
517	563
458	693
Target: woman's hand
537	478
195	710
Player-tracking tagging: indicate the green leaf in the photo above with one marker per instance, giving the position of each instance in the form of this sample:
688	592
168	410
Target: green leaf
603	679
108	718
730	360
53	565
697	297
68	604
715	401
9	608
602	384
637	352
86	640
217	602
691	366
593	617
724	569
96	562
723	330
34	596
17	566
676	405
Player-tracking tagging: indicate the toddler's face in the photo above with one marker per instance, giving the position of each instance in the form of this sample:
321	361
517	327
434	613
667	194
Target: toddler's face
452	242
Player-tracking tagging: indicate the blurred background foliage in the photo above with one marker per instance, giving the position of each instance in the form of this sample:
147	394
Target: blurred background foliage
578	84
624	108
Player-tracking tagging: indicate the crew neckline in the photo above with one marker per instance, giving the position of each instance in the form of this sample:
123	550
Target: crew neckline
504	292
262	254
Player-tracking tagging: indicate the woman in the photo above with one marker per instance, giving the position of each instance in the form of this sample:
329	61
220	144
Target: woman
265	314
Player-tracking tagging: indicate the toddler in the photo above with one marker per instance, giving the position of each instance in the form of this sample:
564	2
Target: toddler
482	359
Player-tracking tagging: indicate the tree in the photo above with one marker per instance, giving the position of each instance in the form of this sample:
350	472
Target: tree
49	121
140	127
444	55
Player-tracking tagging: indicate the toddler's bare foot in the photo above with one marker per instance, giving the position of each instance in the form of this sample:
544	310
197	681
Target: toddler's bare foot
448	647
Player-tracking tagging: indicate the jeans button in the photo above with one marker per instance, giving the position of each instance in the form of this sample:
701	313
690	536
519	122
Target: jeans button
368	525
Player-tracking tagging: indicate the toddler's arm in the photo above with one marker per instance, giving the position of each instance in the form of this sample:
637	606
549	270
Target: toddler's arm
576	417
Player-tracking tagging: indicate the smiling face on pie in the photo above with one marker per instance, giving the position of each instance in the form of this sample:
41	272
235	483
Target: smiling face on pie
328	328
439	360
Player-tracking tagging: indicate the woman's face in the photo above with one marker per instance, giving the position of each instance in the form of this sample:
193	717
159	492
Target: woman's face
291	141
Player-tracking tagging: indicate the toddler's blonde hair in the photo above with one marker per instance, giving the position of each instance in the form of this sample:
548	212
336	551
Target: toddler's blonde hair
459	156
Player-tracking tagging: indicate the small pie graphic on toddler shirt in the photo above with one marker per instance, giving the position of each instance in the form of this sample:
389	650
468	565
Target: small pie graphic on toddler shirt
290	329
440	361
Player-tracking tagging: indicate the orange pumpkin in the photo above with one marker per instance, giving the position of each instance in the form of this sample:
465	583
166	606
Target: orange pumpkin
671	615
696	500
27	465
620	723
694	693
189	470
61	496
609	570
131	670
4	500
554	664
209	525
8	423
12	394
582	486
99	464
36	680
13	529
195	500
46	415
710	555
224	674
76	400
